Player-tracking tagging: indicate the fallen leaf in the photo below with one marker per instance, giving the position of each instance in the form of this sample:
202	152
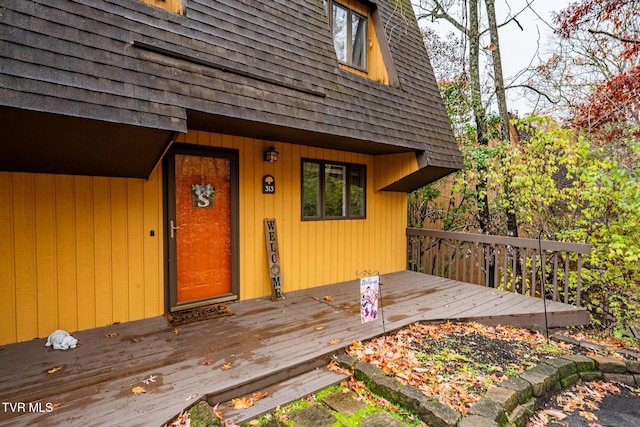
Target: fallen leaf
552	413
217	412
241	403
56	404
111	335
328	298
588	415
136	339
54	370
193	396
259	395
206	362
138	390
327	311
176	331
316	298
226	366
335	341
319	328
345	306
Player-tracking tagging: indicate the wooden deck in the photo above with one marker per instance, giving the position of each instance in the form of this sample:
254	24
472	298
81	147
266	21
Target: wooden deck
264	342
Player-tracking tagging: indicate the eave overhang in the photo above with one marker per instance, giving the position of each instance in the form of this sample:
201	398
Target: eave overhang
42	142
197	120
420	178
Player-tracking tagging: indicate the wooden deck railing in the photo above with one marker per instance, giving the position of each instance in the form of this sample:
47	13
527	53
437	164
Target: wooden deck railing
507	263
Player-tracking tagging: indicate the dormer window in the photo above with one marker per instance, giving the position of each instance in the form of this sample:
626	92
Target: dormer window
350	34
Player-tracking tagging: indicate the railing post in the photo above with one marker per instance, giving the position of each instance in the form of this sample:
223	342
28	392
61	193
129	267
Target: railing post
578	280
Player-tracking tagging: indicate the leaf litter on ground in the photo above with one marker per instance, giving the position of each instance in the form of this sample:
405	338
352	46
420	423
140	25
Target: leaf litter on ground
583	398
456	362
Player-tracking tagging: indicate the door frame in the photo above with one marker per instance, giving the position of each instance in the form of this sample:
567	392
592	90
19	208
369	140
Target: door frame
169	208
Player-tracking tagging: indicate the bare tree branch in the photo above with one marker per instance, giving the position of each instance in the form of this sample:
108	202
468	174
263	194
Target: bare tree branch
620	38
539	92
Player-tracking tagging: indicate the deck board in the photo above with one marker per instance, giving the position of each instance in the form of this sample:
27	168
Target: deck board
263	340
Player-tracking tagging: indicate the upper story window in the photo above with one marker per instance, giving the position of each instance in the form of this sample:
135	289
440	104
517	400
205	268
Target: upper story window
349	34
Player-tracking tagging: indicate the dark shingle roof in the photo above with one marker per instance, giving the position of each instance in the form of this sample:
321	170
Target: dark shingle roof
224	64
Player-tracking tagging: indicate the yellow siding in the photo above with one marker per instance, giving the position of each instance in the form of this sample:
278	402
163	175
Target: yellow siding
174	6
313	253
76	252
392	167
8	320
24	252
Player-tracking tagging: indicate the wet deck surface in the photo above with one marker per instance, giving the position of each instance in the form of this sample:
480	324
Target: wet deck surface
262	343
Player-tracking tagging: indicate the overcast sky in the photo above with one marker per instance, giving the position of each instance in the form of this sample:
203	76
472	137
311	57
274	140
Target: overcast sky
518	47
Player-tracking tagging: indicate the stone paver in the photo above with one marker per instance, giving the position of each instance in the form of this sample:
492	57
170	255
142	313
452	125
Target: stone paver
504	396
381	419
610	365
477	421
313	416
344	403
490	409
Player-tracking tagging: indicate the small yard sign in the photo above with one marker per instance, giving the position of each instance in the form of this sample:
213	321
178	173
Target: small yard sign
369	298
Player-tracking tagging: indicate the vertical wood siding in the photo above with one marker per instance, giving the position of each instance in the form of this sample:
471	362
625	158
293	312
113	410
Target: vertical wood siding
313	253
76	252
391	168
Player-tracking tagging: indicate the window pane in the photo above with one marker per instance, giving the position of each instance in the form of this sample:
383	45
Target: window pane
358	40
340	32
335	186
311	190
356	191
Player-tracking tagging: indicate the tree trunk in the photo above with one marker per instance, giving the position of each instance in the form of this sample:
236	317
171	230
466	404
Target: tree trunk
478	112
498	78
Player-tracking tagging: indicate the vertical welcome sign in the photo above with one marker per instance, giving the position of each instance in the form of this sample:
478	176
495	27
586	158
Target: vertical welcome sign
273	258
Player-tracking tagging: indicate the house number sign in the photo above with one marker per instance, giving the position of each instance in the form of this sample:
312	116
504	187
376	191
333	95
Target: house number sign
268	184
273	258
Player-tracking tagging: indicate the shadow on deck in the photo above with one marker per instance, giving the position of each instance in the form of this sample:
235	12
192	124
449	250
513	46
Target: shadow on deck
263	343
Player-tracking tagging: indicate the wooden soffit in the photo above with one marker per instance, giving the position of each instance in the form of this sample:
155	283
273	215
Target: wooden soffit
49	143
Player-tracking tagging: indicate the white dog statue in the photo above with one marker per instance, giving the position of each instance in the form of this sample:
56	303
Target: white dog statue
61	340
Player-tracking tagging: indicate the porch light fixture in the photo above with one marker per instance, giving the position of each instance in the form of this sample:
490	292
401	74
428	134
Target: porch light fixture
271	155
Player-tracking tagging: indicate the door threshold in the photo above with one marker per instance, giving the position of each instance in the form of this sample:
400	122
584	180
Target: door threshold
201	303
